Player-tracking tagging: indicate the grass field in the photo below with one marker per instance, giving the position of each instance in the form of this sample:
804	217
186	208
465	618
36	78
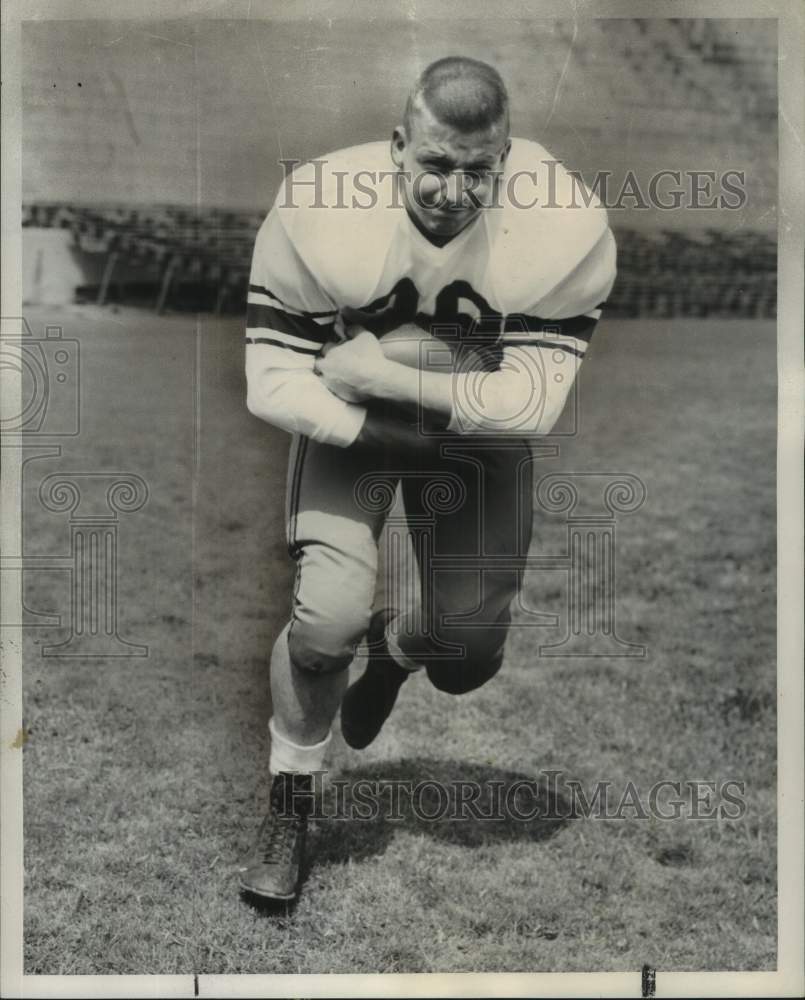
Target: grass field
145	779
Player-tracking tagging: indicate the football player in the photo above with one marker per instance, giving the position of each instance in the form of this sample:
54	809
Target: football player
417	313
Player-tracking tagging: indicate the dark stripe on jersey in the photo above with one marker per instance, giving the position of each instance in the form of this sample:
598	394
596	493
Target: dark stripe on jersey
277	319
580	327
553	344
281	343
262	290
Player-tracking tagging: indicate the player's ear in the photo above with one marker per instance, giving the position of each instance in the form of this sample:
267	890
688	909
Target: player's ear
399	140
506	150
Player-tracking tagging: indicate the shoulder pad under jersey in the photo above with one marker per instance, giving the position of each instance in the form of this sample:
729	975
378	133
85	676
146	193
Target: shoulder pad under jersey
547	224
340	212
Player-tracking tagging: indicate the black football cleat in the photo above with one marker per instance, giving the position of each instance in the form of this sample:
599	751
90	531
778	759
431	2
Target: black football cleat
368	702
271	871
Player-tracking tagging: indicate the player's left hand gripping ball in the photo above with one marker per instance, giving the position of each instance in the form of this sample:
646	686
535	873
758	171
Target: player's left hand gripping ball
349	369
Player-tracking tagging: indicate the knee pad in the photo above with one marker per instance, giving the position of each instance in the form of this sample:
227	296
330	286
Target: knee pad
322	649
309	656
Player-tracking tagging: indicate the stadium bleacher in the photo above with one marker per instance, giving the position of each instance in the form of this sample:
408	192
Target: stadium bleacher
169	257
678	93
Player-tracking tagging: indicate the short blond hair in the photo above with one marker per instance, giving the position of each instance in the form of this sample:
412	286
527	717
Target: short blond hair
466	94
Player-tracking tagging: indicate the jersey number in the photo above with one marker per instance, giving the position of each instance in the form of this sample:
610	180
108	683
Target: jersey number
460	312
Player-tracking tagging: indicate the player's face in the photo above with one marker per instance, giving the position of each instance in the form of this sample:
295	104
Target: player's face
448	176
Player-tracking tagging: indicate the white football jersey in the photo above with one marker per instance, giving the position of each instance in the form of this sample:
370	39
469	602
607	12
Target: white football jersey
338	251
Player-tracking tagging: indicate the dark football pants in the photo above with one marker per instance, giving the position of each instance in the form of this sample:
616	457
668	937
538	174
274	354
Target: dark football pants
467	517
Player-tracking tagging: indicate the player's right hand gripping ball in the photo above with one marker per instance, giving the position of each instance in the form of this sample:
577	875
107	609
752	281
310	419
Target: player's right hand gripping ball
350	369
336	387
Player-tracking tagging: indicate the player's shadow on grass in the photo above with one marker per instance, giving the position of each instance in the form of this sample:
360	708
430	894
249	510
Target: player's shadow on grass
465	804
361	811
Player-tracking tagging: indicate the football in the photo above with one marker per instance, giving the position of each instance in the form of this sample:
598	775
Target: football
412	346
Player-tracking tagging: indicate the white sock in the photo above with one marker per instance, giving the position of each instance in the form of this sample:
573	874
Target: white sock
288	756
398	655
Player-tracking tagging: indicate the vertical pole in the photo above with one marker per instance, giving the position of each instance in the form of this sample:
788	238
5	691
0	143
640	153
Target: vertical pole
109	267
167	279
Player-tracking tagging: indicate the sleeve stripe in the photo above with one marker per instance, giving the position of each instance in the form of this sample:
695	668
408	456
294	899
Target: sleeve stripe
275	342
578	327
555	345
286	338
260	317
262	290
263	299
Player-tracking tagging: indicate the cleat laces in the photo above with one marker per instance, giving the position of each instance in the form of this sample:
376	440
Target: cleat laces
277	838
